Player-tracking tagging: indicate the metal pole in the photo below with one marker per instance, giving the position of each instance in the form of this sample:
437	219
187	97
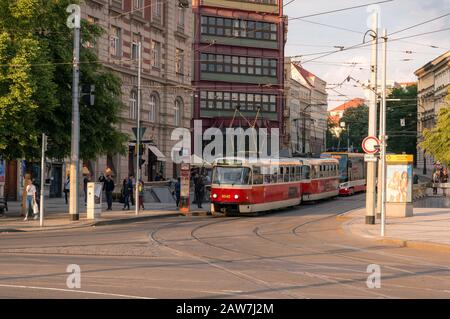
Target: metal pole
371	166
75	143
138	135
41	204
383	136
348	138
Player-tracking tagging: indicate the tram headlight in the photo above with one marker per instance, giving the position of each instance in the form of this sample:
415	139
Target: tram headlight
214	195
236	196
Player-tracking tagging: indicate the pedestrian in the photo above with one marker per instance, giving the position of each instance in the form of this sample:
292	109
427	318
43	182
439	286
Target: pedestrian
194	181
31	200
141	194
178	191
416	179
125	194
131	189
444	176
86	180
67	187
199	189
109	187
436	180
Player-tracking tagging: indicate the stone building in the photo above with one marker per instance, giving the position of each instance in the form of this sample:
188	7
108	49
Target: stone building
432	88
165	30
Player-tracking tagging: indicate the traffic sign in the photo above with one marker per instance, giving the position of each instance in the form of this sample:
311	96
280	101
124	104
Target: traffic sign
142	131
370	158
371	145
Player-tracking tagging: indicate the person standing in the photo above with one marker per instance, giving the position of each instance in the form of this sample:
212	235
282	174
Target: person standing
444	175
436	180
199	189
125	194
178	191
109	187
131	189
86	180
67	188
141	194
30	200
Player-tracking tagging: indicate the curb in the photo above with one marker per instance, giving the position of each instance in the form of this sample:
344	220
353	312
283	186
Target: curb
98	223
415	244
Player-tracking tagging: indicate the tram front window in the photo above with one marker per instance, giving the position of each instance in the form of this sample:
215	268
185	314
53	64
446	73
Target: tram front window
231	175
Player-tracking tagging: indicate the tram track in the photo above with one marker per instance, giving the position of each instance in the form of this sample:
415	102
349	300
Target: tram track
324	278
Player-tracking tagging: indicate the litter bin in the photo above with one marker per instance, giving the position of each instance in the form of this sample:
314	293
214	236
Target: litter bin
94	200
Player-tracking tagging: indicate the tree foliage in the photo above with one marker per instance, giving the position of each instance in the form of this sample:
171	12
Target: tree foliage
437	140
36	84
402	138
356	121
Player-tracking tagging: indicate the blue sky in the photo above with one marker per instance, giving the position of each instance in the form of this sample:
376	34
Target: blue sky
306	38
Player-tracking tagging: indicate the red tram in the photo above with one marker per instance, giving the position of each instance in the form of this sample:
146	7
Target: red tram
352	171
243	186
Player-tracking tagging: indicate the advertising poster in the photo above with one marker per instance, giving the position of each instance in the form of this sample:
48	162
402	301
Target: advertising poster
399	183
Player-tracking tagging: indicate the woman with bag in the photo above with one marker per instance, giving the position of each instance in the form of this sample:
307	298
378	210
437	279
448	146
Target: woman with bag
31	203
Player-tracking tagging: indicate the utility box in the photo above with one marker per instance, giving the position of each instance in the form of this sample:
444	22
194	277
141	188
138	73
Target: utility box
399	175
94	200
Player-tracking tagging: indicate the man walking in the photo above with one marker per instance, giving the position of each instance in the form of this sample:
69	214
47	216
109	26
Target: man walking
109	187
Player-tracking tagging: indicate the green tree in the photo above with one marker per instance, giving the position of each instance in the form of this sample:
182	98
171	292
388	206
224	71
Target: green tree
437	140
25	90
356	121
398	113
36	84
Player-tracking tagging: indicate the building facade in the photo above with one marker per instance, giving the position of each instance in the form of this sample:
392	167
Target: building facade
165	30
297	113
314	100
238	63
432	88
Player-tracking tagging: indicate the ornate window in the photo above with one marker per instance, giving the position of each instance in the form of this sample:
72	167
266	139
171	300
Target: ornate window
154	106
178	111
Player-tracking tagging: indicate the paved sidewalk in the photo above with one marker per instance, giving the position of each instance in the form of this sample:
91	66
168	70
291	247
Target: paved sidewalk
429	228
56	216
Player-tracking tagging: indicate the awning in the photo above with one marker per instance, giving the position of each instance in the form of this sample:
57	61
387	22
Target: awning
157	152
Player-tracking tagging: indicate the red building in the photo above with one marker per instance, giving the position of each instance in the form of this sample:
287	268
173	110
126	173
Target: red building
239	63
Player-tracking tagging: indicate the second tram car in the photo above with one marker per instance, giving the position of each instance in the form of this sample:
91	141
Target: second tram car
352	171
320	179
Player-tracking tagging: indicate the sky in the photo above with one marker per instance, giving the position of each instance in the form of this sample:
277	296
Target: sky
306	39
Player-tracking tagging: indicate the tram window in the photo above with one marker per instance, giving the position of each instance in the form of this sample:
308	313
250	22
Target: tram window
257	175
287	173
299	173
267	179
305	172
274	176
294	173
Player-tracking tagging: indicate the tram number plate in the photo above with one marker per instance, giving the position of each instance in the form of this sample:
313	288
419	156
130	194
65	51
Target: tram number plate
226	196
292	192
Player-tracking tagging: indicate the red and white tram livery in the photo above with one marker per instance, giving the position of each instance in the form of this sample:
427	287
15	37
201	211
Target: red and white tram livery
242	186
320	179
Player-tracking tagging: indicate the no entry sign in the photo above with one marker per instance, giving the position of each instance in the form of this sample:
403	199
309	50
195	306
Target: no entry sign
370	145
